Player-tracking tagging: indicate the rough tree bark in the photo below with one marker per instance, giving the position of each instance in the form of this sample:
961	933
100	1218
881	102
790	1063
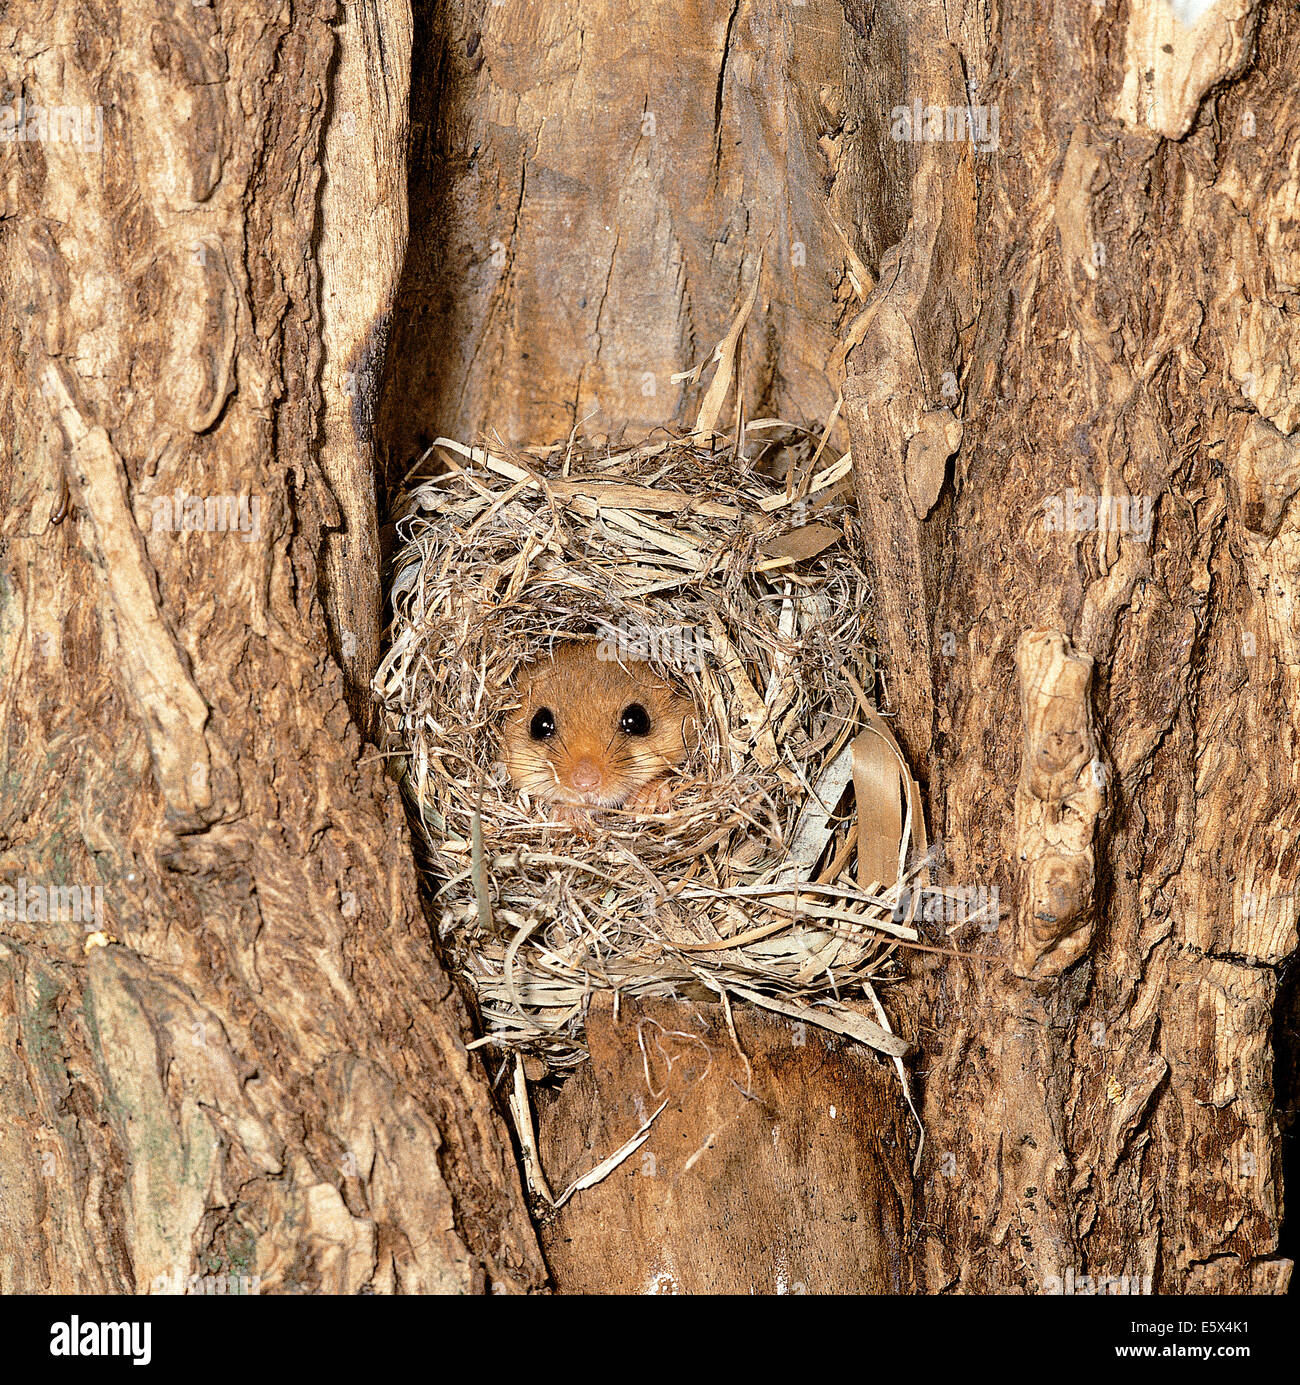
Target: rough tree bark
250	1055
1107	723
361	245
232	1050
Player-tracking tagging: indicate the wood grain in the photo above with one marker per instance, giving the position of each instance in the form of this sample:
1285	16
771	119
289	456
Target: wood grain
244	1058
786	1175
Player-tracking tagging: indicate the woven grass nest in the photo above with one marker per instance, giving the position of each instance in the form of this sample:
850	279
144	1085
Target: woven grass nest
744	591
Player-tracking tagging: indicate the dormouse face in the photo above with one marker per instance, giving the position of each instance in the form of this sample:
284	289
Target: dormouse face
590	731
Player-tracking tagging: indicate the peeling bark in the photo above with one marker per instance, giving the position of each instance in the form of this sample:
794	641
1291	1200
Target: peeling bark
362	244
1091	647
225	1039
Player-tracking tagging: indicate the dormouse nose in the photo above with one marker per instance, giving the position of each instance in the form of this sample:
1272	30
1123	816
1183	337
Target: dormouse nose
585	775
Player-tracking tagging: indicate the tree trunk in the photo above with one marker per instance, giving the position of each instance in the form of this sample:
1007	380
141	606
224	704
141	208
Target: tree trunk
776	1161
592	187
1106	716
361	247
224	1035
225	1040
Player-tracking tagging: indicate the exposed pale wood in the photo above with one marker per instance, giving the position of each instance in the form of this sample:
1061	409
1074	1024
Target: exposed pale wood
1173	55
1058	802
361	247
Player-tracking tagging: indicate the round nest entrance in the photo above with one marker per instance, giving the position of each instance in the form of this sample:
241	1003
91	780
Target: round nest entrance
739	583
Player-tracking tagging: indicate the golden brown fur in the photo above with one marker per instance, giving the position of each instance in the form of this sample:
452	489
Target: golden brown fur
591	760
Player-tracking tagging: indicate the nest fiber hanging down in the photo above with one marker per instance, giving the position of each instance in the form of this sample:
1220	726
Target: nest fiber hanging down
776	873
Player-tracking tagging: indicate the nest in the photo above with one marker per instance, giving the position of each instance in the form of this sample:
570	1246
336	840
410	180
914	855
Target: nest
762	880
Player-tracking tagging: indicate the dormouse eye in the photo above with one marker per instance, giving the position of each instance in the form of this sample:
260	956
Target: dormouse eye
635	720
542	726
